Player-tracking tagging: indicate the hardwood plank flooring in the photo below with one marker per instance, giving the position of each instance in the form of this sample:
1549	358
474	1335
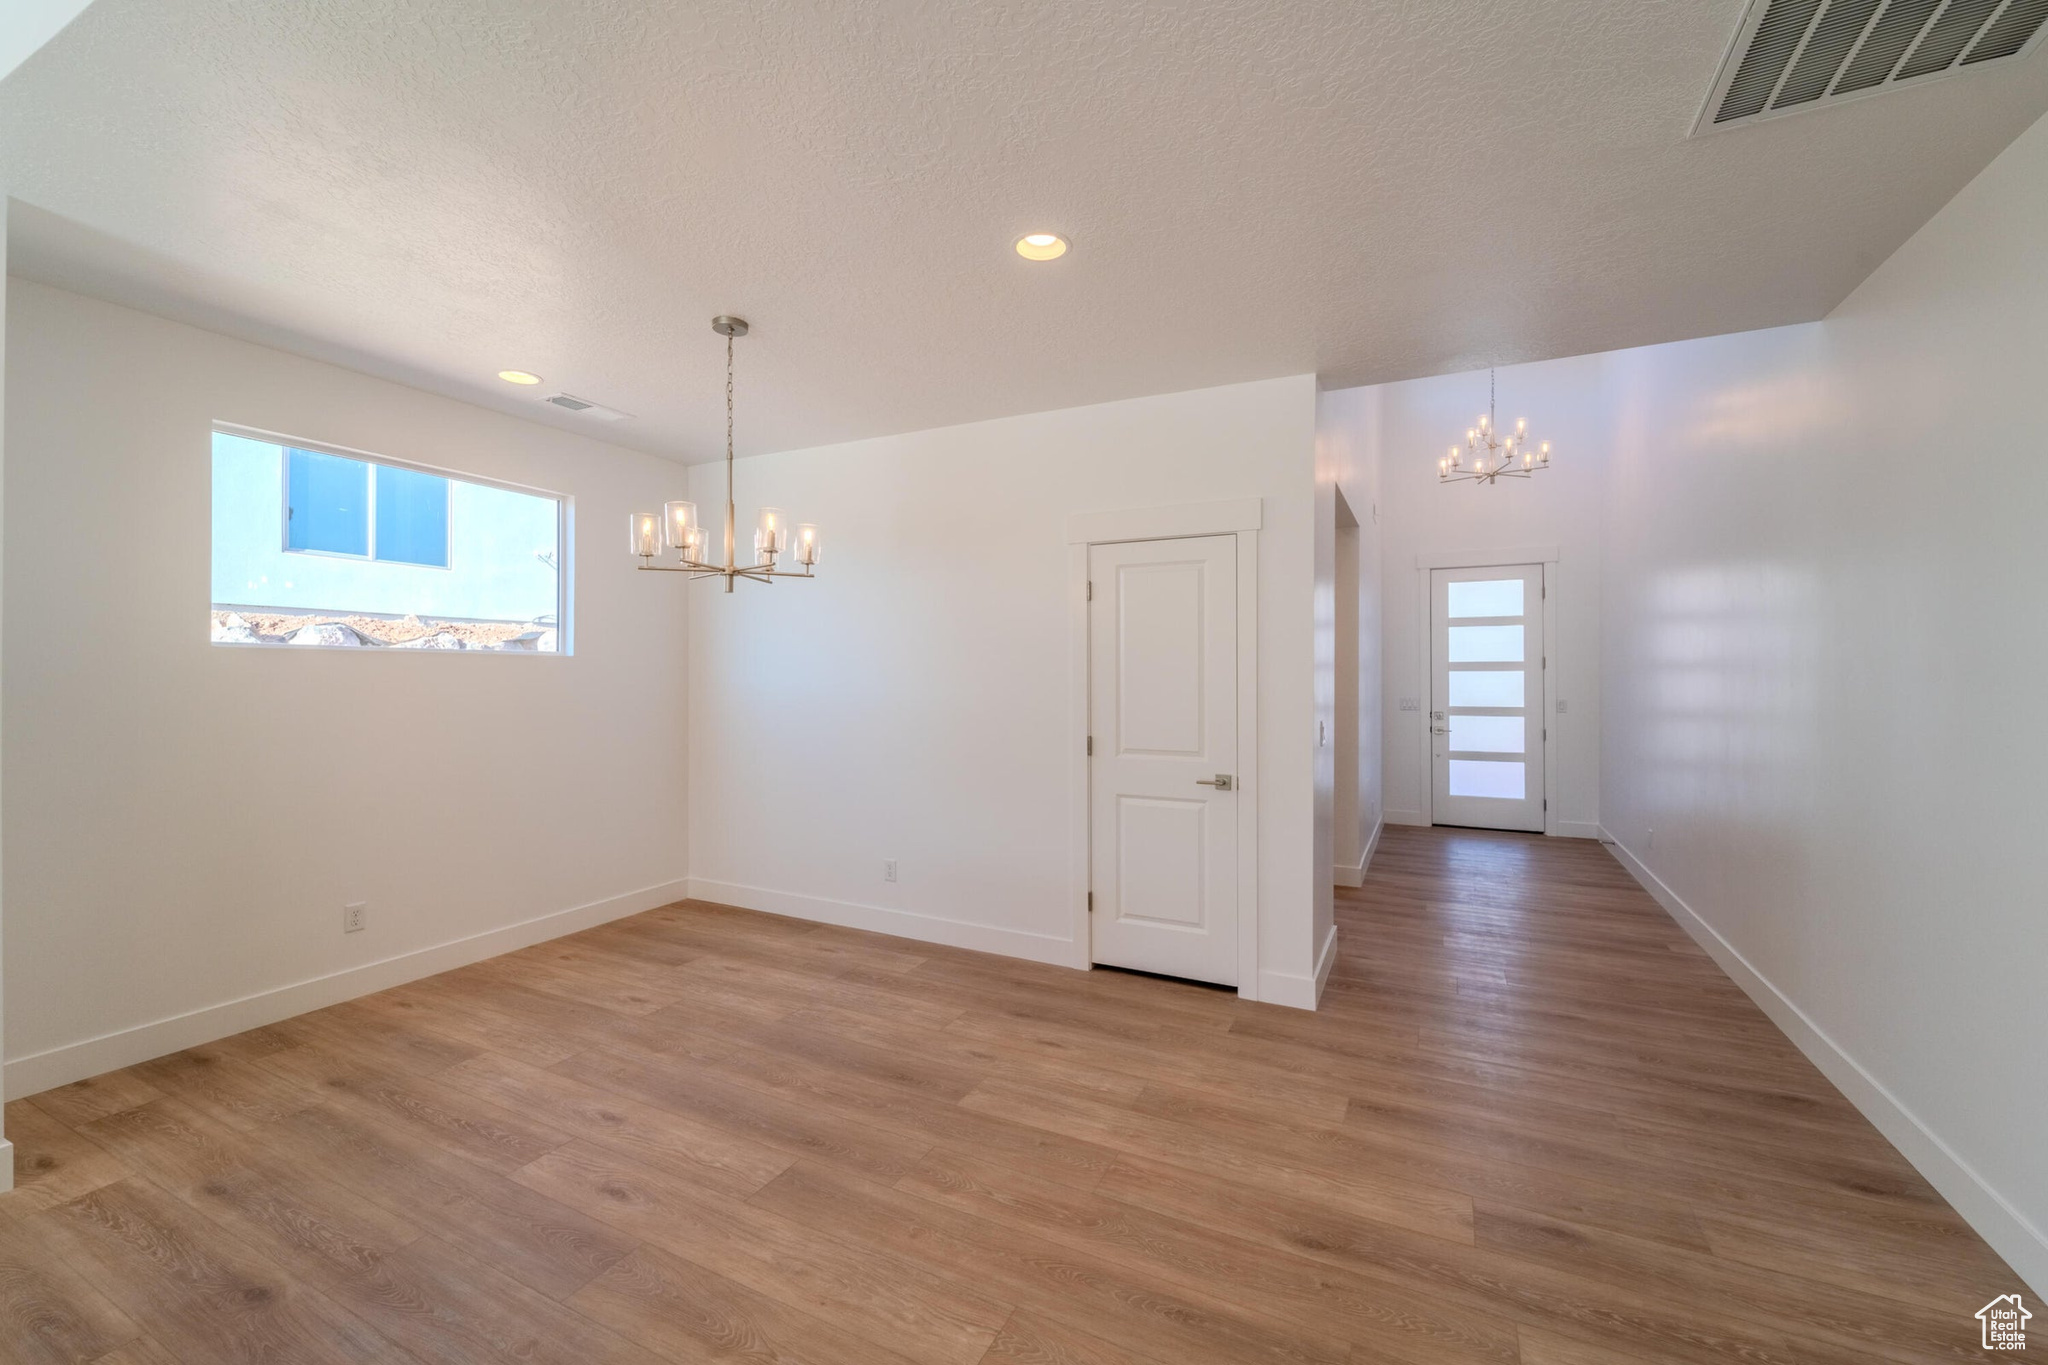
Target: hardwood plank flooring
1531	1125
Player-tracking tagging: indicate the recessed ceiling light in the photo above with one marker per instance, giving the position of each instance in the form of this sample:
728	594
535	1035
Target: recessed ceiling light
1042	246
518	377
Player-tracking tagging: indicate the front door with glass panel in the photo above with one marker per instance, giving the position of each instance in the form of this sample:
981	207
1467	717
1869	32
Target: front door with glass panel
1486	697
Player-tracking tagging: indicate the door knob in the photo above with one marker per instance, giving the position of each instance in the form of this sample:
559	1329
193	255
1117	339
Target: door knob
1221	782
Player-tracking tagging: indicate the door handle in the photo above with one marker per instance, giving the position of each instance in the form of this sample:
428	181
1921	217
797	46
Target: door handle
1221	782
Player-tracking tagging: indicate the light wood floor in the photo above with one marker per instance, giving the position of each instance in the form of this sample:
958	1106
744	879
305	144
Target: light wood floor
1531	1123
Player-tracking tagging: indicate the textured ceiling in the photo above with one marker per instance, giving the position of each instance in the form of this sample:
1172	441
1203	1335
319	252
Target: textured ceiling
1370	189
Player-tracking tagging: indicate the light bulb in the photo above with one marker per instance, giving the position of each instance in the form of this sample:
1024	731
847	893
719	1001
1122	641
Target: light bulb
677	520
806	544
644	530
1521	425
1482	420
770	535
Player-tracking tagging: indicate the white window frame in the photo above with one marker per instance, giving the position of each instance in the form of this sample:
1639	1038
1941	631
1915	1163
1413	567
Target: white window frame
565	521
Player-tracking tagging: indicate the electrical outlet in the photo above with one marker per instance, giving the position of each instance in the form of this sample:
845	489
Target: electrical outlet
1560	708
888	869
1649	840
352	917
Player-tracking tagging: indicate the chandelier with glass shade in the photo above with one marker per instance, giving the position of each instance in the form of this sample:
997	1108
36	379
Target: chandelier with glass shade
677	529
1488	456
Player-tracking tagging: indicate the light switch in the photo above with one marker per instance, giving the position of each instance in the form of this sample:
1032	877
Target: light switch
1410	704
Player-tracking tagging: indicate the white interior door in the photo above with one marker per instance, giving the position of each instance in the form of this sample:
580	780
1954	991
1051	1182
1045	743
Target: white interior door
1162	775
1486	697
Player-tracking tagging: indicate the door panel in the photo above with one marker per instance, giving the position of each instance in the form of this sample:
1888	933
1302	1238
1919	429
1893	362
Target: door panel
1486	703
1162	705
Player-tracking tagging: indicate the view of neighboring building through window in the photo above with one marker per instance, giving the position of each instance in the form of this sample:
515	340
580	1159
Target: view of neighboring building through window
316	548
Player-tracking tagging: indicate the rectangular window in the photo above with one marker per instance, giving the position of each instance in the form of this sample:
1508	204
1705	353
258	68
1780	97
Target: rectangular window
374	554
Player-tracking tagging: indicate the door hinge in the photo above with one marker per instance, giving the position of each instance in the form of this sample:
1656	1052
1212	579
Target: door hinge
1546	803
1091	590
1091	902
1091	746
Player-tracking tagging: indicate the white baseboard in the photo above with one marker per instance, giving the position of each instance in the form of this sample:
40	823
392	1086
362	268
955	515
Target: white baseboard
1343	875
1996	1220
1575	829
1301	992
1325	960
1406	817
954	933
75	1061
6	1165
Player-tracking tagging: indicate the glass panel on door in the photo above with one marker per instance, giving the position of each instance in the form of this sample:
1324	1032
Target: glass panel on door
1486	644
1487	687
1489	597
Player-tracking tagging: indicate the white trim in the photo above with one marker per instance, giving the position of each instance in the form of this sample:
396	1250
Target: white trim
1355	876
1165	523
880	919
1405	817
1301	992
1486	559
1077	763
2010	1234
1553	802
6	1165
57	1066
1248	765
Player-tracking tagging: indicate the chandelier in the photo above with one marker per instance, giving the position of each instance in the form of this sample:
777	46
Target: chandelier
1487	455
678	529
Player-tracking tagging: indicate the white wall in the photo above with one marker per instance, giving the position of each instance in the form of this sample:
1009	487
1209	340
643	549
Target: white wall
183	822
1410	424
31	24
1824	650
913	703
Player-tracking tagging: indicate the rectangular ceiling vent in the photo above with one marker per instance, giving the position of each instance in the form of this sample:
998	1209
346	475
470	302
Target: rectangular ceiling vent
583	407
1793	55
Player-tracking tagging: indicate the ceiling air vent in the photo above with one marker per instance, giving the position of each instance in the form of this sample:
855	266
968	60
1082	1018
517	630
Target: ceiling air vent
1794	55
569	402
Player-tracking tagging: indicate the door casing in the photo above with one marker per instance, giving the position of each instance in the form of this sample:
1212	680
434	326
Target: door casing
1546	555
1240	517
